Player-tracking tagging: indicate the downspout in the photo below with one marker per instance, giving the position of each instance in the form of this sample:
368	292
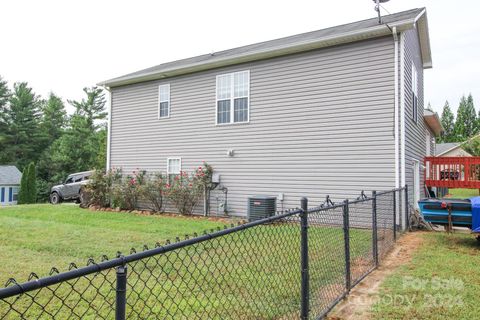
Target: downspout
402	122
109	126
396	117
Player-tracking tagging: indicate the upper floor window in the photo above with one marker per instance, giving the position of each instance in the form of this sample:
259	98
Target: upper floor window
414	93
164	101
233	92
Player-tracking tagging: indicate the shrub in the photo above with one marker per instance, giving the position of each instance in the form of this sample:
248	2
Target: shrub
186	190
22	193
153	191
99	190
28	185
127	192
32	183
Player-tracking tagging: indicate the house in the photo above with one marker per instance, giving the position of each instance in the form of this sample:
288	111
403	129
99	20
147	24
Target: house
451	149
433	127
454	149
10	178
332	111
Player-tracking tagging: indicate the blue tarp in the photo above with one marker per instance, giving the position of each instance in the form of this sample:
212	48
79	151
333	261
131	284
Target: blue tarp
475	214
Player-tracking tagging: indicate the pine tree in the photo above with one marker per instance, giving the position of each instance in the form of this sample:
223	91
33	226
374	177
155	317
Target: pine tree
448	123
20	117
4	96
54	118
22	193
472	116
466	123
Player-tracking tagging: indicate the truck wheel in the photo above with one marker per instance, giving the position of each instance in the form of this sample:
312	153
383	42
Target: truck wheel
55	198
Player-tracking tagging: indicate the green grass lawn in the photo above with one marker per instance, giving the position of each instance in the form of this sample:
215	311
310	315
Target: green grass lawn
463	193
252	274
34	238
441	282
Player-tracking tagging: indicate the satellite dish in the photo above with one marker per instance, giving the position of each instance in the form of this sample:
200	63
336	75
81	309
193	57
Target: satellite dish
377	8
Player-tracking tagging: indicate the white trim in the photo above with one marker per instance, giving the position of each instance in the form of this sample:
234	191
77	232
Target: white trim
165	85
396	118
168	165
232	98
109	125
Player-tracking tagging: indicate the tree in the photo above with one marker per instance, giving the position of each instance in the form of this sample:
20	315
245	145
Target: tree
4	96
32	184
448	123
54	117
472	146
466	123
53	123
22	193
83	143
91	109
20	118
28	185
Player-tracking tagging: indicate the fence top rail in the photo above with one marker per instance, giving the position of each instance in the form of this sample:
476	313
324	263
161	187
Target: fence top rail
321	208
390	191
19	288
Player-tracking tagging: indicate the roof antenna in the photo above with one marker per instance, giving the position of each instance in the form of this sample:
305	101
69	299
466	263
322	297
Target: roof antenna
377	8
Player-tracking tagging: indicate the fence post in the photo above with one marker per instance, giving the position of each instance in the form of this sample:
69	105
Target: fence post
395	215
121	293
374	227
346	239
304	260
407	218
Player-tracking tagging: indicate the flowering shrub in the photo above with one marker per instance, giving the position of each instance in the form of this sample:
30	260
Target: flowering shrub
98	191
184	191
126	193
153	191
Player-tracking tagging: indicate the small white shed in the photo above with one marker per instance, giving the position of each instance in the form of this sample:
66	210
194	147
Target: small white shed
10	178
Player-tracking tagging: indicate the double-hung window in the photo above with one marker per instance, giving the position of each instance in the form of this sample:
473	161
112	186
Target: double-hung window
414	93
233	90
163	101
174	166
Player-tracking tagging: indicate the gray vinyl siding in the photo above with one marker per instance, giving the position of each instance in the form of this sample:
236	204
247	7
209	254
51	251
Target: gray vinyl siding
415	139
321	122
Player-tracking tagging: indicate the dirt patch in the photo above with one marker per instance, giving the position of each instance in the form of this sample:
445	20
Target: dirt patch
358	303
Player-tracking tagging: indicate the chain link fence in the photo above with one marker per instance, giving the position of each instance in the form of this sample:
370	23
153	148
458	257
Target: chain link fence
295	265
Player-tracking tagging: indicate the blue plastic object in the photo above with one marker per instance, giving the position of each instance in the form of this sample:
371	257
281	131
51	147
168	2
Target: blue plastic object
475	214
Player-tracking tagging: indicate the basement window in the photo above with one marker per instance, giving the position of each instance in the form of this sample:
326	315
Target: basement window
174	166
233	95
414	93
164	101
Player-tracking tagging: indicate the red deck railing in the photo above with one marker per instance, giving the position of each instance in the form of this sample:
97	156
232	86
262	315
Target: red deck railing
452	172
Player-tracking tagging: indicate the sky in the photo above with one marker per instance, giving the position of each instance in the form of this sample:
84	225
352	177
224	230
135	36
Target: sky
64	46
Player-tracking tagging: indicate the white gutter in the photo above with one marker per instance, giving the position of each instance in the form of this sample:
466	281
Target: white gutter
109	126
396	119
